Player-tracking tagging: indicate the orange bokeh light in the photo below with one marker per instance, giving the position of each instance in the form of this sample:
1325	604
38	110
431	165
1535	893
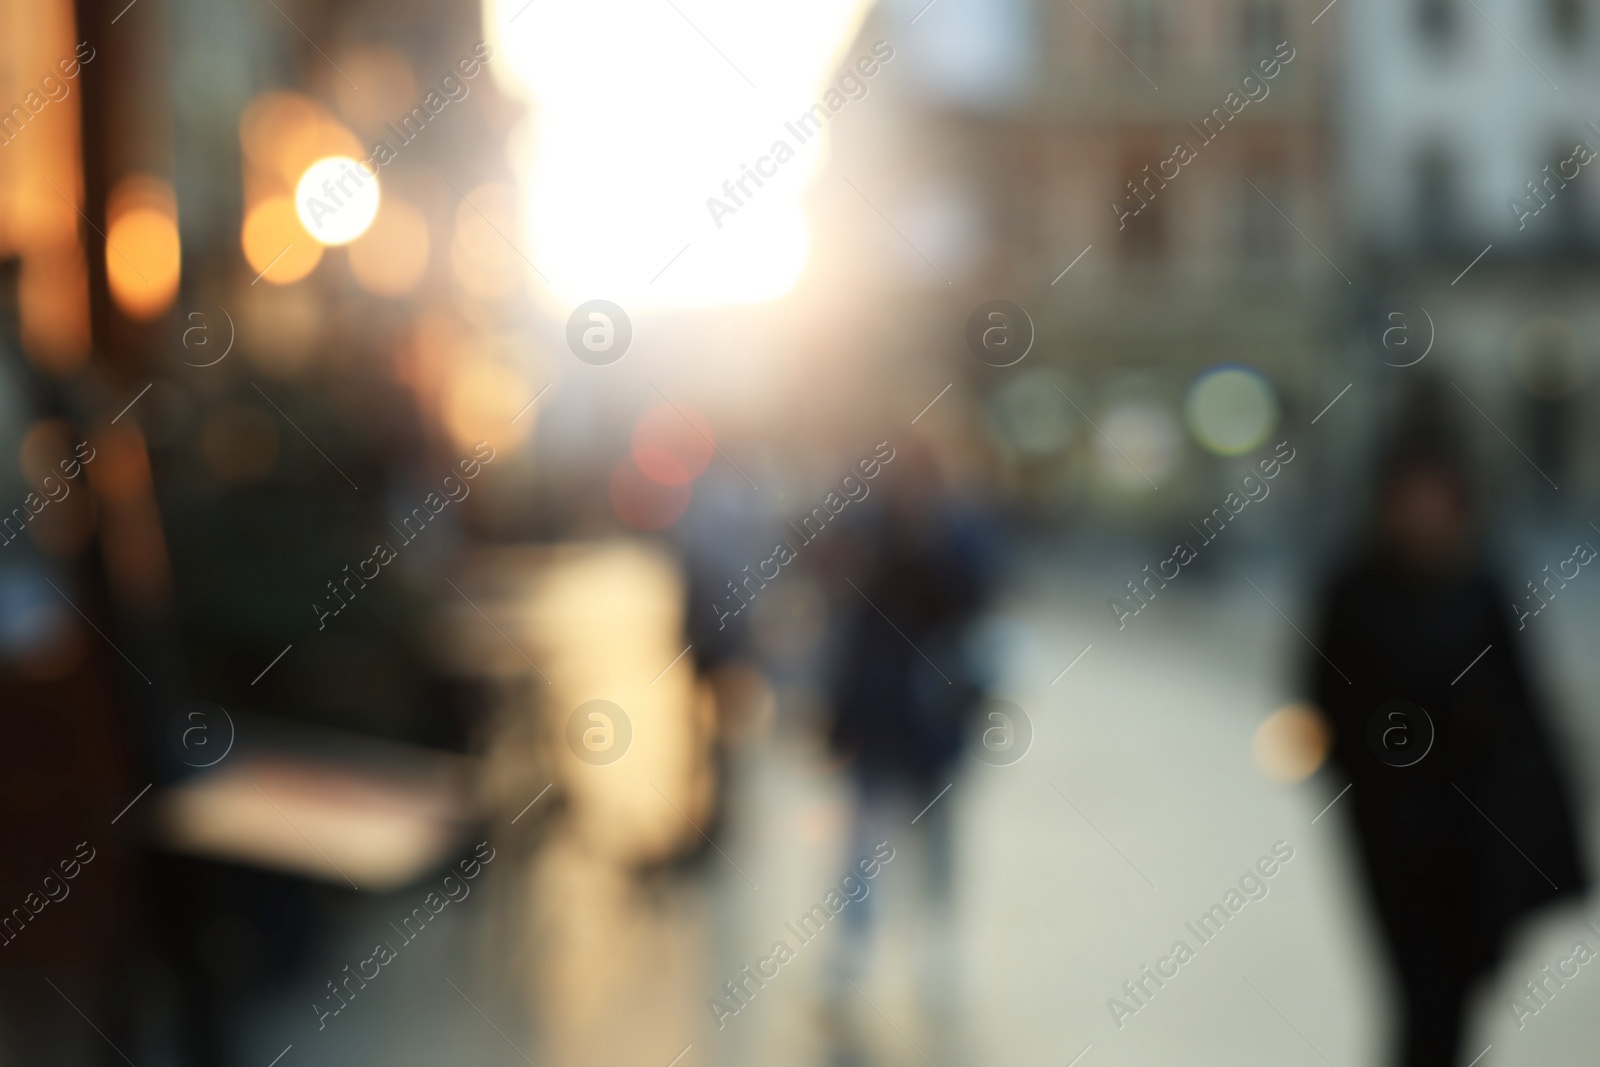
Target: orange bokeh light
143	262
276	245
1291	743
481	400
143	252
284	133
672	445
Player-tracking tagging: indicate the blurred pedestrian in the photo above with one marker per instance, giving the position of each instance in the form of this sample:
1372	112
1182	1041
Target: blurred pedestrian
1461	812
905	686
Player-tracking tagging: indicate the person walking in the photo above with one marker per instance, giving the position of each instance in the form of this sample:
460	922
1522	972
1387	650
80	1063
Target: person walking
1459	805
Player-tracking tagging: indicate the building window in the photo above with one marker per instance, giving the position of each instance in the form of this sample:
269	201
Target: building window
1435	198
1437	19
1262	28
1566	20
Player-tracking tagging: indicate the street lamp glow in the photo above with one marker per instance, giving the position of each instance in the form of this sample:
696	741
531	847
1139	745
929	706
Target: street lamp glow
336	200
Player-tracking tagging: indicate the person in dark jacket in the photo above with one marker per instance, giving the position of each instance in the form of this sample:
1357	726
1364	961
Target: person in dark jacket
1459	804
904	684
907	681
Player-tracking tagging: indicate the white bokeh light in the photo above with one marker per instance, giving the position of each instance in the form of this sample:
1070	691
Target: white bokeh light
336	200
1231	409
1148	445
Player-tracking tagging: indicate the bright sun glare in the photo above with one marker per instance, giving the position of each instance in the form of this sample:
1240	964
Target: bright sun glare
636	121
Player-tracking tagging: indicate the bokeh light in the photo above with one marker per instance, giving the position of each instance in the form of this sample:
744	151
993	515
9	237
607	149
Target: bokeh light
481	400
143	257
1148	444
391	257
642	503
336	200
279	127
284	133
1291	743
1030	416
672	446
277	247
1230	410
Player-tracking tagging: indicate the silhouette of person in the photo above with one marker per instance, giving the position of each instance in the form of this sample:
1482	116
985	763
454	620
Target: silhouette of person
906	683
1460	810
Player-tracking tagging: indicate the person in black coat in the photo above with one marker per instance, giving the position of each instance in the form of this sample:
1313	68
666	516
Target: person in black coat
1459	804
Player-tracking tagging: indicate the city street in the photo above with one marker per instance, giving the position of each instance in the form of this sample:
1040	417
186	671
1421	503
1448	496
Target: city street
1136	809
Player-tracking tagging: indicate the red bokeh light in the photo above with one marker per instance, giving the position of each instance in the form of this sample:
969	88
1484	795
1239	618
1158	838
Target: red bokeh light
645	504
672	445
